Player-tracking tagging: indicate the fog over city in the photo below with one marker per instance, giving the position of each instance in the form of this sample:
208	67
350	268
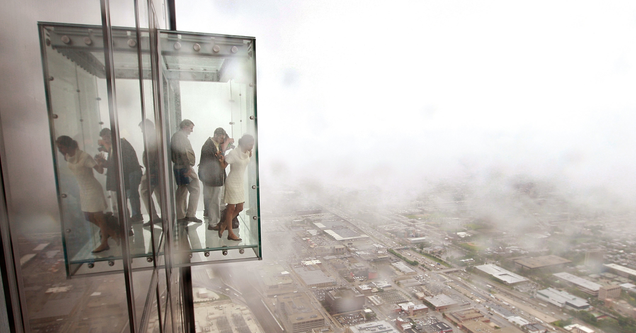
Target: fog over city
396	98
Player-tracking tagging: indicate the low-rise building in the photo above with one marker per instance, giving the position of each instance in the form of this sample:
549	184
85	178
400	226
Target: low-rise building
440	302
277	281
622	307
467	315
584	285
297	314
535	328
541	263
518	321
313	276
501	274
344	300
562	299
576	328
413	309
484	327
437	327
620	270
629	287
372	327
613	291
403	268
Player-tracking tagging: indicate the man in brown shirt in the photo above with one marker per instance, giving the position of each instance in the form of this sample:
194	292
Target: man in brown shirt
187	180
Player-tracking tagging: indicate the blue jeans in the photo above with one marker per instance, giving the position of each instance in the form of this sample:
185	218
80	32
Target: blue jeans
134	179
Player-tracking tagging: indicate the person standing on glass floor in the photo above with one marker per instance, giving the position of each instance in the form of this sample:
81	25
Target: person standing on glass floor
187	180
131	168
212	175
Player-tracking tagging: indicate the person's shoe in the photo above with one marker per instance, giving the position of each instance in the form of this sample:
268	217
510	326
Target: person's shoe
237	239
101	248
137	219
157	220
193	219
131	232
183	220
216	227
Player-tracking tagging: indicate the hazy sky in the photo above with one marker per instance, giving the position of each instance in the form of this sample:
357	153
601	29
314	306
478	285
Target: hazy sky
401	92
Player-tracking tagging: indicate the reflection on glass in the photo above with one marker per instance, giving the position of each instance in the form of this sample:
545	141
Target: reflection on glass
150	179
91	193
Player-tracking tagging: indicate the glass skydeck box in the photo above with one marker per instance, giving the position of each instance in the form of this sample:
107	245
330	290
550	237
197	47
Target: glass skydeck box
141	87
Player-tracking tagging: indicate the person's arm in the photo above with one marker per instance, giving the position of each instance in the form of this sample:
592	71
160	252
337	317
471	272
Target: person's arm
225	143
100	163
99	168
224	164
229	158
95	163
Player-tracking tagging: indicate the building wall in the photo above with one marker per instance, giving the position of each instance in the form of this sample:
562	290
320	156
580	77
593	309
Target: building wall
609	292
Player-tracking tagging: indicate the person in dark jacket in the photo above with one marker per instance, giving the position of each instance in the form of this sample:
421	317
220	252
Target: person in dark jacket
132	171
212	174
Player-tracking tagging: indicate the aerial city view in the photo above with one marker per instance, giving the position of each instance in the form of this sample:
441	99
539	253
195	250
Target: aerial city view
534	261
286	166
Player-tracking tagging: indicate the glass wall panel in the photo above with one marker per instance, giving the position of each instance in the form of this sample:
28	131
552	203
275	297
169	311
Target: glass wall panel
210	81
136	208
79	114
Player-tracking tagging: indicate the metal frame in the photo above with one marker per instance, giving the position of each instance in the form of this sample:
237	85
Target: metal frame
10	270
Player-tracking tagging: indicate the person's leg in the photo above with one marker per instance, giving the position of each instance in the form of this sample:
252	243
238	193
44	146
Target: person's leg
214	208
157	193
195	191
207	196
237	209
227	223
134	178
99	220
146	195
181	201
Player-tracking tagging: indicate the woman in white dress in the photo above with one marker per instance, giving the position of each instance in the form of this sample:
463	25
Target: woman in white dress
92	200
237	159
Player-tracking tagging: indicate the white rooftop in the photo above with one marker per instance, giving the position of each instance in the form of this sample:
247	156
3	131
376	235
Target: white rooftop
375	327
621	268
580	327
440	300
501	274
578	281
561	298
519	321
628	286
402	267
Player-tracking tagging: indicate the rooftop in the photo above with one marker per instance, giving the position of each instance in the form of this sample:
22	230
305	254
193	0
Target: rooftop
374	327
440	300
541	262
314	277
402	267
298	308
621	269
563	298
501	274
578	281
